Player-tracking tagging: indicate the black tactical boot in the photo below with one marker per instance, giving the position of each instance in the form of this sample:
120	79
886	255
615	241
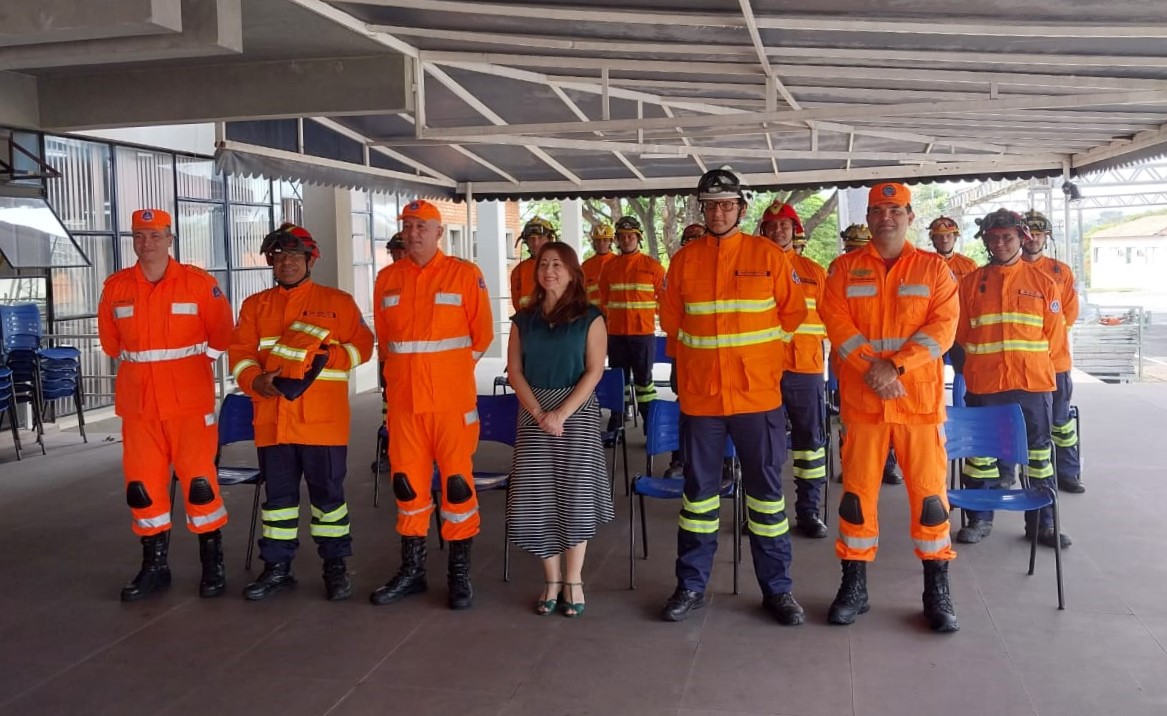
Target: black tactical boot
458	579
276	576
154	576
214	579
892	474
809	525
336	582
975	531
851	600
784	609
937	602
681	603
410	579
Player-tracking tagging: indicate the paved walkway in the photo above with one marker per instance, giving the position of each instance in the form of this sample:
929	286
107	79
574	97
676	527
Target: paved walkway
68	646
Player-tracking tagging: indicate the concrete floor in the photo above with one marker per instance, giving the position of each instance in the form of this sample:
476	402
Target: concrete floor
69	646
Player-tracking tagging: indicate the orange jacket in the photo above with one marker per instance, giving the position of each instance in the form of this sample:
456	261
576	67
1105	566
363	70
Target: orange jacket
907	314
730	308
961	265
806	355
166	336
1064	278
522	283
591	271
630	287
433	323
1010	325
321	415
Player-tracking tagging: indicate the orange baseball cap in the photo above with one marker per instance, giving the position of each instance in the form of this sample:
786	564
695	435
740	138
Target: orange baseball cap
889	193
421	209
150	219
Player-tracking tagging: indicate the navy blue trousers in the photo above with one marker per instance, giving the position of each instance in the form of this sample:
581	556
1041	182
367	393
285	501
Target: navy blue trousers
803	396
760	440
323	469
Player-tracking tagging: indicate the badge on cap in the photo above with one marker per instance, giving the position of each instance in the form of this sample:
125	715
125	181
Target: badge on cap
889	190
147	215
414	206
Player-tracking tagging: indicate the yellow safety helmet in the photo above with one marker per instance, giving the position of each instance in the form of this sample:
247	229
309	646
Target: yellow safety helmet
604	232
855	236
538	226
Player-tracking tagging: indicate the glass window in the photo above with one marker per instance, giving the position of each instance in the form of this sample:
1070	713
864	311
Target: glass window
363	289
81	195
362	243
360	199
31	235
198	179
384	216
290	206
248	226
248	283
250	190
201	236
145	179
76	290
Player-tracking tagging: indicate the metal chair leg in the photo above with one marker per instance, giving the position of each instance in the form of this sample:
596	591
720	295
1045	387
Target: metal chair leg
632	544
643	526
254	520
737	545
506	551
1058	552
78	400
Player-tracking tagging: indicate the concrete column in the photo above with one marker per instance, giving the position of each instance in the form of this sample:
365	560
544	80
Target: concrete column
571	224
328	216
492	259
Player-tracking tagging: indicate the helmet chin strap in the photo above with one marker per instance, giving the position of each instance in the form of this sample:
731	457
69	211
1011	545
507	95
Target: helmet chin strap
1006	262
281	284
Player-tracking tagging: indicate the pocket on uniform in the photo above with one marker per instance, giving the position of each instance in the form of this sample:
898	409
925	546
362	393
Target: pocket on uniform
761	373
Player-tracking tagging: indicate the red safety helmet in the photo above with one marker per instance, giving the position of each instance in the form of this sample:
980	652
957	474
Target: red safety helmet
781	210
289	238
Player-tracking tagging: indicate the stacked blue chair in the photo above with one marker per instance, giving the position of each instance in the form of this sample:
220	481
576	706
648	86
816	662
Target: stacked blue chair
663	436
8	407
20	328
237	424
60	378
999	431
610	396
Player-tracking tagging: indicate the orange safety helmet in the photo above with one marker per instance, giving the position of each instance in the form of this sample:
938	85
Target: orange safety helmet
289	238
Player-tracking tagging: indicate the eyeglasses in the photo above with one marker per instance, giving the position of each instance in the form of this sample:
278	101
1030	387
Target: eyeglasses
724	206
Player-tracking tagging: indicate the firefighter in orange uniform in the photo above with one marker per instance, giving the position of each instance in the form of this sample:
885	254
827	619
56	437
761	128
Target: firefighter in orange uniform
602	237
536	232
166	323
292	351
1065	433
1012	330
676	467
729	309
433	322
630	288
943	232
891	313
803	387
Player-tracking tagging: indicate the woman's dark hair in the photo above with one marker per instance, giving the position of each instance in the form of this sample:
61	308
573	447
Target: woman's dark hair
574	302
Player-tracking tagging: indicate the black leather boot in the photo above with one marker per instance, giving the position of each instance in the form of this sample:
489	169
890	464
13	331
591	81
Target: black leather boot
975	531
214	579
682	602
276	577
937	601
851	599
154	577
336	581
810	525
410	579
784	608
461	591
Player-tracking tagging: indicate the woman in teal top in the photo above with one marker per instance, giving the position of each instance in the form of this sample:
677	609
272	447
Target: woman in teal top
559	482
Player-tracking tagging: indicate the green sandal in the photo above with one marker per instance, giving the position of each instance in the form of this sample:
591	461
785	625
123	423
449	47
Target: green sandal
545	607
572	610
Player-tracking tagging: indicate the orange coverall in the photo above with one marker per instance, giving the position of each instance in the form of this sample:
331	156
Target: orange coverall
592	268
630	286
961	265
522	283
321	415
165	336
433	323
906	314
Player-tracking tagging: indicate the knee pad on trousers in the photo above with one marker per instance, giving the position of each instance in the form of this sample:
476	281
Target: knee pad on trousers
850	509
136	495
457	491
201	492
932	513
402	490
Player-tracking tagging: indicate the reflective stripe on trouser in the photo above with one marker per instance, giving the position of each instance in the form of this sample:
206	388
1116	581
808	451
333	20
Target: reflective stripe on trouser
1037	410
150	447
803	398
416	442
323	469
920	449
634	355
1065	430
760	439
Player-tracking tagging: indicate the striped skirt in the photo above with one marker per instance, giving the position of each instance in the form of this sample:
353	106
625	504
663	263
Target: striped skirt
559	485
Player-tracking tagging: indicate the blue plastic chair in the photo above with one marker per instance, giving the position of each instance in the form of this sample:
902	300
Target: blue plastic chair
999	431
236	424
8	407
498	422
60	378
23	362
664	436
610	396
660	356
958	390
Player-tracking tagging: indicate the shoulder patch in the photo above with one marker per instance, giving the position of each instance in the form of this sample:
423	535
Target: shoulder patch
482	283
216	292
1055	306
794	276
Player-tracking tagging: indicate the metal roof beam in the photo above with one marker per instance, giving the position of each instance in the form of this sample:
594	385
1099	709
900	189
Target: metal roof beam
825	113
1140	141
584	117
467	153
394	155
